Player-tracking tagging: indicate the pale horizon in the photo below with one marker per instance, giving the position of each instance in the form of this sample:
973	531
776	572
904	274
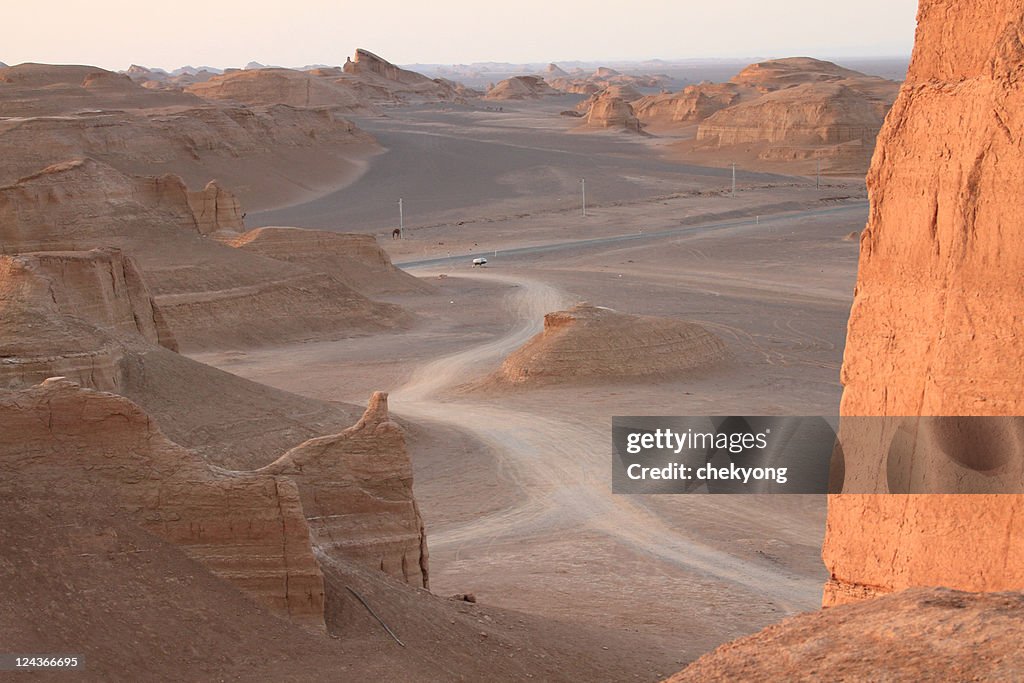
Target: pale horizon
114	34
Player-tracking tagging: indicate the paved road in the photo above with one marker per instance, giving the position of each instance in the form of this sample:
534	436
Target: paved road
578	245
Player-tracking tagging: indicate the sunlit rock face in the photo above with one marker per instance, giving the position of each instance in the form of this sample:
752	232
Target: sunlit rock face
937	322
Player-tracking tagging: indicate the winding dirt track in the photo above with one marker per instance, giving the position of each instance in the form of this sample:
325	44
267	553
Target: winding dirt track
563	468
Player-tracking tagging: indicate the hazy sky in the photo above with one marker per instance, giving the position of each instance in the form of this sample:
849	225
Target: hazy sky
171	33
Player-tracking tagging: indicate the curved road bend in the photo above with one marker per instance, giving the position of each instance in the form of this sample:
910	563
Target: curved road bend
562	465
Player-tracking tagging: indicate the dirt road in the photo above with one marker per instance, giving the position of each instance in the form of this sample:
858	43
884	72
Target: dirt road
562	466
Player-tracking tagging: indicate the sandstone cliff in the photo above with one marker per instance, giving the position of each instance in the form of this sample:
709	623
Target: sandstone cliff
268	155
211	295
59	441
936	322
64	313
356	492
356	260
800	109
778	74
589	342
785	110
263	87
610	111
690	105
806	114
216	210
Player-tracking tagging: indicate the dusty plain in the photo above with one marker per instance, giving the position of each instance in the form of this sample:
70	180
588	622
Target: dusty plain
514	483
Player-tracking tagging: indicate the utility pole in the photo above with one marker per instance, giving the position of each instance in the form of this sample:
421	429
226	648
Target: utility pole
817	181
583	189
401	219
734	180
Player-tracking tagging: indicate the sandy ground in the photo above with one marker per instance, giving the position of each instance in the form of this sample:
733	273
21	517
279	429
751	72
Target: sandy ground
515	485
466	165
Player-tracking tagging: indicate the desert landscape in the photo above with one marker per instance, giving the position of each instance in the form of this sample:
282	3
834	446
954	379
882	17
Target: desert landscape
309	373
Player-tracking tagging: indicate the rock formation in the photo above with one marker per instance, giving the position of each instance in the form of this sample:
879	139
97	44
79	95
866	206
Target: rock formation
589	342
555	71
216	210
802	115
89	313
210	294
609	111
602	79
263	87
690	105
521	88
798	109
356	260
65	313
778	74
380	81
254	150
46	89
359	86
356	492
59	442
918	635
784	110
935	327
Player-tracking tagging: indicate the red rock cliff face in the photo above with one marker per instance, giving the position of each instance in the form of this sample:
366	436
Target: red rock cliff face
937	323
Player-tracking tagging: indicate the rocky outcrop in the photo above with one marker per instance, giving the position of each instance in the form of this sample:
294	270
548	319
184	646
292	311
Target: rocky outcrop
574	86
778	74
554	71
356	491
359	86
65	313
256	151
211	295
610	111
936	324
264	87
602	79
216	210
367	63
593	343
801	115
521	88
29	90
59	441
918	635
693	104
355	259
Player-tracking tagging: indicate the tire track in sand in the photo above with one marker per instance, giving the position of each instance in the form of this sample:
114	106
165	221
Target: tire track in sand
563	467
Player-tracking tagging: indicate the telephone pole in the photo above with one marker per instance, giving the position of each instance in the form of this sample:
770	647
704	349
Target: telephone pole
734	180
401	219
817	181
583	189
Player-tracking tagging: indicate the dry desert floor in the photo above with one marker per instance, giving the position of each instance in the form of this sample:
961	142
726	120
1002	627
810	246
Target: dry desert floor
515	482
